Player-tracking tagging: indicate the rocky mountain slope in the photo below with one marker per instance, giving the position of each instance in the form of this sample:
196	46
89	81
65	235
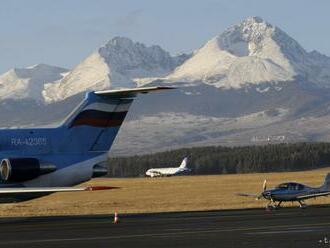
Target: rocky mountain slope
114	65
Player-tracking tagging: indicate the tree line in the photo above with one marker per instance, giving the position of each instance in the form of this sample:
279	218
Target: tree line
223	160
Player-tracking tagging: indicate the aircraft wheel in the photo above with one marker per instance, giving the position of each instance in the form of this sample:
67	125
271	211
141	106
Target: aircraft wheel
269	207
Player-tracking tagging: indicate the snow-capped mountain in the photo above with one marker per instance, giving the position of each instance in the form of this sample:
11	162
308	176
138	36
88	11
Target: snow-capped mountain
115	65
252	83
252	52
28	83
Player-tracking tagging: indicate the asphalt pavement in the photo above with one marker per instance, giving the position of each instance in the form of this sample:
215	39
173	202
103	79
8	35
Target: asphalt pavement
287	227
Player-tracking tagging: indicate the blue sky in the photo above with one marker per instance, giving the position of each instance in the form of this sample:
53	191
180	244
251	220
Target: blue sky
63	32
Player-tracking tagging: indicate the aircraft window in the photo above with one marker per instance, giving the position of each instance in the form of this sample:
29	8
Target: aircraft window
300	187
283	186
295	186
291	186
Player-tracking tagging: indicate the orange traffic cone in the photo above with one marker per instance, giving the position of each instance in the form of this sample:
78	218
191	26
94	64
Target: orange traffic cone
116	218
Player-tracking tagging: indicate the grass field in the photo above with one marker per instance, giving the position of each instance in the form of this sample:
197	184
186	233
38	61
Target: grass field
142	195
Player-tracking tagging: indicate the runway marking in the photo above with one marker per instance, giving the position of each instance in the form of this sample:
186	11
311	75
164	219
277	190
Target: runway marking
294	230
150	235
281	232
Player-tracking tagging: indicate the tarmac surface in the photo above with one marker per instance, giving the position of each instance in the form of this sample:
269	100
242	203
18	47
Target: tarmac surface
287	227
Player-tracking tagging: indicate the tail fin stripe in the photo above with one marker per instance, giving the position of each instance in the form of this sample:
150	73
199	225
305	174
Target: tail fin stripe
108	107
97	118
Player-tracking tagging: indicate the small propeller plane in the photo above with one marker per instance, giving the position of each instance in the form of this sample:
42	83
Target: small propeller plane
291	191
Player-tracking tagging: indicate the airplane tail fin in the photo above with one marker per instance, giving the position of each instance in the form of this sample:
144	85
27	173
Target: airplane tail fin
184	163
94	124
326	184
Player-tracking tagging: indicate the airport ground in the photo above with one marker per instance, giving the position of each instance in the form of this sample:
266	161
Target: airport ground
227	228
172	194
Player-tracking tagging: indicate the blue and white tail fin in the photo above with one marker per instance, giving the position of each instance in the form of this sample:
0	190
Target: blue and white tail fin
94	124
326	184
184	163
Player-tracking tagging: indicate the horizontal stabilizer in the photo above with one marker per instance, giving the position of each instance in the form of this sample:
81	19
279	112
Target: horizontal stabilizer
132	92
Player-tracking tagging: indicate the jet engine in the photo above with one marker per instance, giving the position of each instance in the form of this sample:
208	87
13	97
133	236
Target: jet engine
22	169
99	170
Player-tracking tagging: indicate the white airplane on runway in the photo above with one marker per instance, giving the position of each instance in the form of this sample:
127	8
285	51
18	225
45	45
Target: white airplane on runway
165	172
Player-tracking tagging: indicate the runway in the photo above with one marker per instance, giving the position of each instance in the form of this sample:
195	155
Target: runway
288	227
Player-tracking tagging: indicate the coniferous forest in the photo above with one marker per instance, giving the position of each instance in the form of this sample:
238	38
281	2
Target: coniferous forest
222	160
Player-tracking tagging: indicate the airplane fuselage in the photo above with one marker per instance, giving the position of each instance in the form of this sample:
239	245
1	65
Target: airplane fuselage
288	195
72	167
293	192
163	172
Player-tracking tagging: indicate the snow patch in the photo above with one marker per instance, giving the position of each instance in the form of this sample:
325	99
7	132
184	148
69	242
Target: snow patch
263	90
28	83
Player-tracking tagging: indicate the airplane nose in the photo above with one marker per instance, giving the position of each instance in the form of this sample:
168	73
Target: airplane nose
267	194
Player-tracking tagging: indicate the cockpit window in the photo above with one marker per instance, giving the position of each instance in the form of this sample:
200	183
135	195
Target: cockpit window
299	186
283	186
291	186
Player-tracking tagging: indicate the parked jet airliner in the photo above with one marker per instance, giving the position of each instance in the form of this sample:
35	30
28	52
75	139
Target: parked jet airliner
40	161
163	172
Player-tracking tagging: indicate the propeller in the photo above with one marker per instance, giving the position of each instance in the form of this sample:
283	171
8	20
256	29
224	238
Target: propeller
259	195
264	186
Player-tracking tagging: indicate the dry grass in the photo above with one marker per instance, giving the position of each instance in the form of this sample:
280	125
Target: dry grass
142	195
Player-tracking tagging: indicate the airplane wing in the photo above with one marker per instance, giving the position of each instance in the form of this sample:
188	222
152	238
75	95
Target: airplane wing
13	194
38	190
247	194
303	197
132	92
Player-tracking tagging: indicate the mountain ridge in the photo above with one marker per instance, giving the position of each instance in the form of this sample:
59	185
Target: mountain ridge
251	52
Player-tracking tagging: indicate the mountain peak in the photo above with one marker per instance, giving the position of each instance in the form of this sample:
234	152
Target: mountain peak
253	19
134	59
117	64
124	43
242	39
119	41
19	83
252	52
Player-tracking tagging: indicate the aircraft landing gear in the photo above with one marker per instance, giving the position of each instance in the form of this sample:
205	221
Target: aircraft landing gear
272	205
302	205
278	205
